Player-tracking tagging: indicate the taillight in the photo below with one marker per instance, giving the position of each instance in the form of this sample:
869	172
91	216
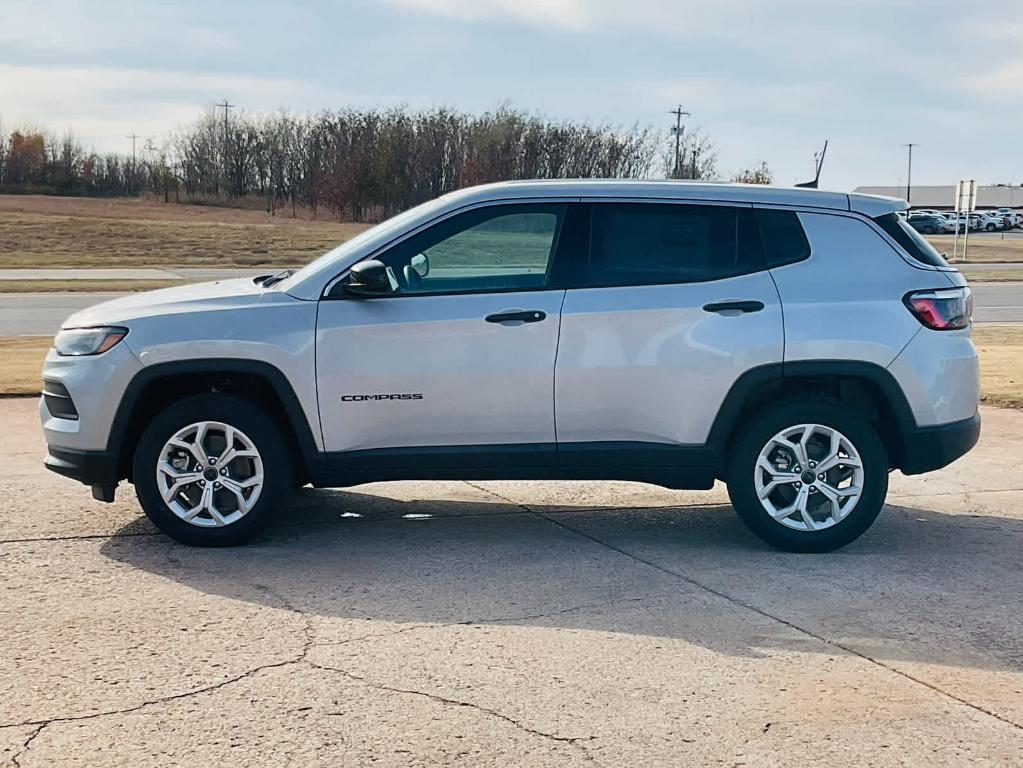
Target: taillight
943	309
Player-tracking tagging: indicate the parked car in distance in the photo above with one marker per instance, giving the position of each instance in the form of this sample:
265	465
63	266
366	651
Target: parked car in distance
580	330
1014	217
965	220
928	224
987	222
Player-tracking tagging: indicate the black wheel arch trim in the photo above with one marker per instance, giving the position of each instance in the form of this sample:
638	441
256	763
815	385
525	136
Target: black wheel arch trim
312	457
746	386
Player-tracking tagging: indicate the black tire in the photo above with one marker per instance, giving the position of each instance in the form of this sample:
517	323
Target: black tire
990	227
258	426
772	420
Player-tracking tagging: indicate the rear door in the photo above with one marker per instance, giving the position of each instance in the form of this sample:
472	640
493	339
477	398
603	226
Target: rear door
461	355
671	304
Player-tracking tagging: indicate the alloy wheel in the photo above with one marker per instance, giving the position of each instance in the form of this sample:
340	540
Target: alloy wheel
808	477
209	474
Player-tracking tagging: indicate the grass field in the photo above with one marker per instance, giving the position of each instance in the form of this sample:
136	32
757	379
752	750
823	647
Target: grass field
41	231
991	275
983	248
86	286
1001	363
21	360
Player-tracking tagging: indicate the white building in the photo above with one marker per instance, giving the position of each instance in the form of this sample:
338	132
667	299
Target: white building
995	196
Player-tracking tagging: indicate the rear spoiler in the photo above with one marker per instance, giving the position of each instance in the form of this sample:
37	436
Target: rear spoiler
876	205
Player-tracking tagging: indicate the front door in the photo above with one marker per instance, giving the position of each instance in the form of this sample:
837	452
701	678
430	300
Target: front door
461	354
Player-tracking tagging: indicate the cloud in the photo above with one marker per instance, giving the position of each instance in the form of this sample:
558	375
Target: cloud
731	19
101	104
998	84
564	14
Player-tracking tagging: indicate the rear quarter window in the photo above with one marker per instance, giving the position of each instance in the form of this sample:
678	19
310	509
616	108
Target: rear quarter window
911	241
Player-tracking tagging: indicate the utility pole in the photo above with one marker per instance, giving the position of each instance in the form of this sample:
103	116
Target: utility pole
226	107
909	170
133	137
678	130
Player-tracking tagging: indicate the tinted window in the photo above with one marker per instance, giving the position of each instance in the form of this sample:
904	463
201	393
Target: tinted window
646	244
498	248
783	237
912	243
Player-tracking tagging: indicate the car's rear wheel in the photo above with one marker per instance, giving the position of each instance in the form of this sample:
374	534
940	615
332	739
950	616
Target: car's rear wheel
808	476
211	470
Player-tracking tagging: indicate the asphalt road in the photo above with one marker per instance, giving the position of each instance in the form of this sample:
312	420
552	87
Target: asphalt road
32	314
513	624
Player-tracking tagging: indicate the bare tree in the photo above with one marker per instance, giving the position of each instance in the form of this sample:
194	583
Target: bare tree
758	174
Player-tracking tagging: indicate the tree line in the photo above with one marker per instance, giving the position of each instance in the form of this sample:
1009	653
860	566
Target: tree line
358	164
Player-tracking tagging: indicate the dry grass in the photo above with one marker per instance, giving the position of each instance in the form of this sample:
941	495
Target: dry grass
991	275
1001	363
983	248
39	231
88	286
21	360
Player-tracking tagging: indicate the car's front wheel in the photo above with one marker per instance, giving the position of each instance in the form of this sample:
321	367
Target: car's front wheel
808	476
211	470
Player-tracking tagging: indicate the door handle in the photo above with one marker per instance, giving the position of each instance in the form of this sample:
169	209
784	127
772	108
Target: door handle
734	306
520	316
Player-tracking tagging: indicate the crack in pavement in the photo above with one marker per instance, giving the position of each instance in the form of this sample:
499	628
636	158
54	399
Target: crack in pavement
42	724
302	657
761	612
299	658
574	741
16	757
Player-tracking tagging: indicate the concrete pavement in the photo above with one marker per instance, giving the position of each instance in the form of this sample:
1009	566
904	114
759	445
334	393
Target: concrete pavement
532	624
31	314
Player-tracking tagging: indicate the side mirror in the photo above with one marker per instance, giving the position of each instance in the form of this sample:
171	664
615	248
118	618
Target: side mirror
370	278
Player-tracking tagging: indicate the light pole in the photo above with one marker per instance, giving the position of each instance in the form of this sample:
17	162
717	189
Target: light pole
909	170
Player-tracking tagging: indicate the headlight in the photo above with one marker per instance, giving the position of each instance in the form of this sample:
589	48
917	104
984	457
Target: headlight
87	341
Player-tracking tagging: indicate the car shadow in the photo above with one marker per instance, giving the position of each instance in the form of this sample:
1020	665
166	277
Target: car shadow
920	586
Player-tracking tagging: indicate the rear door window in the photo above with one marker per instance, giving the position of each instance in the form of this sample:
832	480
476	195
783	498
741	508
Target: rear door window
664	243
784	240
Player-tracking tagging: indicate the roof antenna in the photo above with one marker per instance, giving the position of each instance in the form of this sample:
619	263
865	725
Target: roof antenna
818	161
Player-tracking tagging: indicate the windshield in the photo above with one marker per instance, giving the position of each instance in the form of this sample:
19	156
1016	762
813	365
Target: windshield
325	263
915	244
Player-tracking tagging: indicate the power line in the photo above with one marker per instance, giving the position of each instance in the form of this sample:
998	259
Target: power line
678	130
133	136
226	107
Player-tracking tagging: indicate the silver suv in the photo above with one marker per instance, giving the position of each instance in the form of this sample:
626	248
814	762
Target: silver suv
798	345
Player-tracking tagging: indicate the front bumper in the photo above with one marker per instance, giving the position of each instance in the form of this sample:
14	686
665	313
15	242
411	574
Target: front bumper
929	448
89	467
94	468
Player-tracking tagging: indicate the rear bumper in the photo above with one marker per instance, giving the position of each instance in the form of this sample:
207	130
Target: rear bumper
929	448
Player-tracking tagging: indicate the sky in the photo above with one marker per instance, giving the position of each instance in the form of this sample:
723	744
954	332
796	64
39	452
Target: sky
764	79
